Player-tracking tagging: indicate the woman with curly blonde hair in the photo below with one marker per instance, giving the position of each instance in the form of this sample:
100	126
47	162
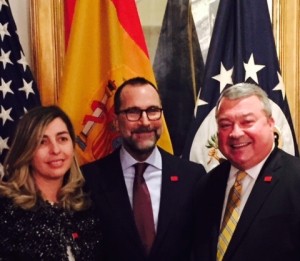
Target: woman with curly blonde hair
45	215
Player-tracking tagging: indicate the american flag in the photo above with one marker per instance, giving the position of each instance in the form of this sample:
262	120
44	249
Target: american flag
242	49
18	90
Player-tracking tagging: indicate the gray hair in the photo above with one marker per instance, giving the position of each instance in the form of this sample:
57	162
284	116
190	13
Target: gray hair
243	90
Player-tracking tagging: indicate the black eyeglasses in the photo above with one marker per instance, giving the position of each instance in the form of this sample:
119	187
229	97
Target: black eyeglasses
134	114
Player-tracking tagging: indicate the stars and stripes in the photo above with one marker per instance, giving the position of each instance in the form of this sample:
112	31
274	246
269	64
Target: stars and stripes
18	90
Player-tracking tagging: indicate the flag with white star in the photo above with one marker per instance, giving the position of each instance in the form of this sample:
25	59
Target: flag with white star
242	49
18	90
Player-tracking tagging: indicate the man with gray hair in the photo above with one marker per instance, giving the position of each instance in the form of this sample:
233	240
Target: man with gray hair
250	208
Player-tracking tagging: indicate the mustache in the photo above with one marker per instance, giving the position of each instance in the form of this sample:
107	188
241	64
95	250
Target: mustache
142	130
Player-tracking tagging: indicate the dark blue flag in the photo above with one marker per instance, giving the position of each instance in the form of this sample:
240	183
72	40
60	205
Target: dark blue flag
18	90
242	49
178	68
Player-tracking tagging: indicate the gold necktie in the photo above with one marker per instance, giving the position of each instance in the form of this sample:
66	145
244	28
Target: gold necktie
231	215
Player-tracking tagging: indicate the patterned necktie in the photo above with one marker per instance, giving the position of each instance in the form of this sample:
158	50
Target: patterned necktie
142	208
231	215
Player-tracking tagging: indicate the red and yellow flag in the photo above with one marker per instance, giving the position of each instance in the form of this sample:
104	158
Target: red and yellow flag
69	6
106	47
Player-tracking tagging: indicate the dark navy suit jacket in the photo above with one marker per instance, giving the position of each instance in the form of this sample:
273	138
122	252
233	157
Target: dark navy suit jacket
176	220
269	226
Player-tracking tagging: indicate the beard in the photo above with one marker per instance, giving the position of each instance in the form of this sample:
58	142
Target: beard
141	148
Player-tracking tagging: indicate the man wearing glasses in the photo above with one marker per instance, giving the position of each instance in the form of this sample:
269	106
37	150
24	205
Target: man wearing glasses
148	216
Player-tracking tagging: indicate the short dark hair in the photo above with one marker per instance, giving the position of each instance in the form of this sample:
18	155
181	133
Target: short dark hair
136	81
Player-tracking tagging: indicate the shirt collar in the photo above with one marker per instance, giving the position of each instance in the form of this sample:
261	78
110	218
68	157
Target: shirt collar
127	160
252	172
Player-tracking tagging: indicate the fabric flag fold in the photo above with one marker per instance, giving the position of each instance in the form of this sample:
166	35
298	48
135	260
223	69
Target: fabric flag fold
242	49
18	89
106	47
178	67
69	6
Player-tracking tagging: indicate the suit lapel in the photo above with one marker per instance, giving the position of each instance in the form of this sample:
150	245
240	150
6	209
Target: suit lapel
261	191
170	191
115	190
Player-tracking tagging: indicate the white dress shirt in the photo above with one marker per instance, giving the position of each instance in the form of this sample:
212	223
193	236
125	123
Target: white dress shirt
152	176
247	184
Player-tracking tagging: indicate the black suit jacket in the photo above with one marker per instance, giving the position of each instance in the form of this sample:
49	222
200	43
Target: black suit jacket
269	227
104	178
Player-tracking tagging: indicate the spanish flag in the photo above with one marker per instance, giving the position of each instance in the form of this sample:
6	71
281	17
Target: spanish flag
106	47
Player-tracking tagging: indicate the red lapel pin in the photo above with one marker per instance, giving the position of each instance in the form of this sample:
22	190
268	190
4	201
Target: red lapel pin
75	235
268	178
174	178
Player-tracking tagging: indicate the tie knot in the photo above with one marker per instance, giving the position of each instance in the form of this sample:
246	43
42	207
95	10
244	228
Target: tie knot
240	176
140	168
